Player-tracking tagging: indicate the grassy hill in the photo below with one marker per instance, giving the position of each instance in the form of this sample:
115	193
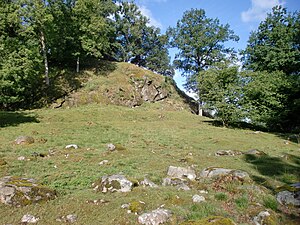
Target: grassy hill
150	138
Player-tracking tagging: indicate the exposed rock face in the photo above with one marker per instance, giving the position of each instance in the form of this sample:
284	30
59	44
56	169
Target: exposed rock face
156	217
179	183
228	153
23	140
211	172
18	191
149	91
181	173
290	195
114	183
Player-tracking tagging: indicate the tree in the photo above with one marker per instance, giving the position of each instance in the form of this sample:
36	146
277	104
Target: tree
275	46
264	98
200	43
20	59
220	88
139	43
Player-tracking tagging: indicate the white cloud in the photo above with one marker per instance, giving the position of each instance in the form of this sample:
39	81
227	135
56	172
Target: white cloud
259	9
146	12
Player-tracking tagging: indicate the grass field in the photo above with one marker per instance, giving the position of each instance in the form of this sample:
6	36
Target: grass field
152	139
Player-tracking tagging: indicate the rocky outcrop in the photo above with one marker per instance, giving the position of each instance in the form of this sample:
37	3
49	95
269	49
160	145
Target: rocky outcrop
114	183
156	217
212	172
17	191
289	195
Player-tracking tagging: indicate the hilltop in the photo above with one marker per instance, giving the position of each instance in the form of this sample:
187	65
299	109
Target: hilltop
123	84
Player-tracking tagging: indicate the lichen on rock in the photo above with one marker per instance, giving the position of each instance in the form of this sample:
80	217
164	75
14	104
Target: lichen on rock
17	191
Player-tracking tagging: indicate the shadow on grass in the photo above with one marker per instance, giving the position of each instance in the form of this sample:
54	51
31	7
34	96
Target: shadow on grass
15	118
285	170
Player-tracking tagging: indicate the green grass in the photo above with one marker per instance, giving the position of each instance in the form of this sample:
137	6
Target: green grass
149	144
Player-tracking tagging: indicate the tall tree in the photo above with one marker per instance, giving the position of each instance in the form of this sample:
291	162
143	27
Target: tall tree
20	59
200	41
275	46
221	89
138	42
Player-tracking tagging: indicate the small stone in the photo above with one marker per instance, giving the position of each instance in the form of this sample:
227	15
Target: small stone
29	219
21	158
125	206
261	217
113	183
198	198
103	162
228	153
23	140
156	217
149	183
181	172
288	198
203	192
254	152
71	146
111	147
71	218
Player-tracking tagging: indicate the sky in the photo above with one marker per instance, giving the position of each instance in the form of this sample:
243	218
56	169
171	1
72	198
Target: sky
243	16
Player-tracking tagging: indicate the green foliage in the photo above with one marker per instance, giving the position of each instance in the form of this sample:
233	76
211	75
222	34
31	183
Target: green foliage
199	211
275	47
264	97
200	43
139	43
220	90
221	196
242	202
270	202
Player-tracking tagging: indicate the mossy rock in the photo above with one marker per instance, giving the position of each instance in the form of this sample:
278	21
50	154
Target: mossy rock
17	191
212	220
136	206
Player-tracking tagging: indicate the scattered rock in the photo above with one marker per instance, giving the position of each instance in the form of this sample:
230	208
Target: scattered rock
211	172
18	191
21	158
29	219
156	217
114	183
111	147
254	152
289	195
261	218
24	140
181	173
103	162
148	183
71	146
179	183
198	198
97	201
71	218
228	153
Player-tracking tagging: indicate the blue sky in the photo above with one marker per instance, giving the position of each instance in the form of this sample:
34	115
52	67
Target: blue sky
243	16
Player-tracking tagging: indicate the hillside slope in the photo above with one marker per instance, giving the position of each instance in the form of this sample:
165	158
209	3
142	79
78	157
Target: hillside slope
148	139
127	85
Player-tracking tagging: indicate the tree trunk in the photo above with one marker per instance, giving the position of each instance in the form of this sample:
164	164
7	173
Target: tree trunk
44	50
200	109
77	65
